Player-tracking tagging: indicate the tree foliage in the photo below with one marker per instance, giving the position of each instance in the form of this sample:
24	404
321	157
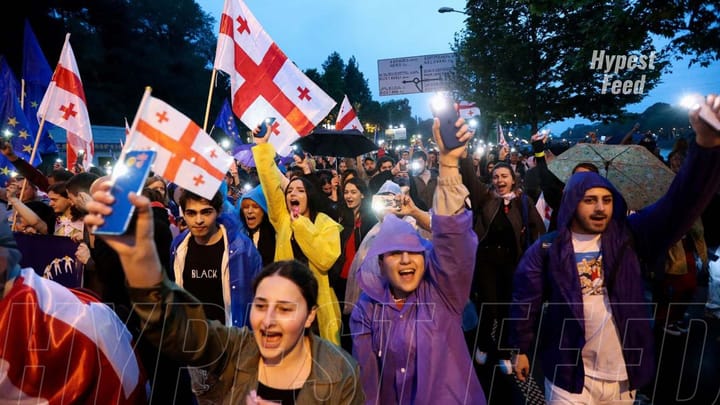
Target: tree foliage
534	68
122	46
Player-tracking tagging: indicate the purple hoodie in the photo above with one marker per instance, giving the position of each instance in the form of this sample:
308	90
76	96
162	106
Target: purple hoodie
418	354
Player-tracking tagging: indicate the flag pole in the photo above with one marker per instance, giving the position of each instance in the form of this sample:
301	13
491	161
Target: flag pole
45	106
40	128
130	141
210	93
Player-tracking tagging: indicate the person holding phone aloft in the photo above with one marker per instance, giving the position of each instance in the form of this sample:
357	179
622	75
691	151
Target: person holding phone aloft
407	323
303	232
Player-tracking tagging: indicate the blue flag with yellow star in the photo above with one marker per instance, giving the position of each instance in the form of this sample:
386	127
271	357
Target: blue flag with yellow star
225	126
36	73
14	127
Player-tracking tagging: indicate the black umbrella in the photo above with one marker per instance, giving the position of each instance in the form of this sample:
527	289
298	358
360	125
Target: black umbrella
331	142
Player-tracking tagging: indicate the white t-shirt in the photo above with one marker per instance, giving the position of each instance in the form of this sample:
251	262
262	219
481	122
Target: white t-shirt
602	353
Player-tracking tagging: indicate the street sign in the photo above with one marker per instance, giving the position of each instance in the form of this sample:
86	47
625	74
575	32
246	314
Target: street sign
416	74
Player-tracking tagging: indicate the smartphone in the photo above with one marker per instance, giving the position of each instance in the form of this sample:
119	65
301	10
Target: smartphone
128	176
267	122
707	115
445	109
403	165
381	202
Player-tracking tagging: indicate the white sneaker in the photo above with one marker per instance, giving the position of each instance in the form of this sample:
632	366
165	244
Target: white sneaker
480	357
505	366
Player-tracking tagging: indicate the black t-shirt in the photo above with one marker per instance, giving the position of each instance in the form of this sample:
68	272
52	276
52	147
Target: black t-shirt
202	276
284	397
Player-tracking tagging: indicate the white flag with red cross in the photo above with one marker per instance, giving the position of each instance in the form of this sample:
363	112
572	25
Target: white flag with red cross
501	137
64	105
264	82
186	155
467	109
347	119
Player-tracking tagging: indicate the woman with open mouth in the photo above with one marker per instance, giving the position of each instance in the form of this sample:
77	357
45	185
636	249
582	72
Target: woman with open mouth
279	360
304	233
506	224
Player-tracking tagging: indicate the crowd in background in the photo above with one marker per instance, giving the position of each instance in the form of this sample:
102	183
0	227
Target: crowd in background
363	244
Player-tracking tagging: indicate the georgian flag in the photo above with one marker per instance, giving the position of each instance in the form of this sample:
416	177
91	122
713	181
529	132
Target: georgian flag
265	83
186	155
468	109
501	138
347	119
62	346
64	105
544	210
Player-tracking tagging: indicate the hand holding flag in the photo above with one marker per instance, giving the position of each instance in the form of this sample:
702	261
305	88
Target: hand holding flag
265	83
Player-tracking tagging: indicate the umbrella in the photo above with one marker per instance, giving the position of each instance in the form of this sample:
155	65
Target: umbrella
639	175
243	154
330	142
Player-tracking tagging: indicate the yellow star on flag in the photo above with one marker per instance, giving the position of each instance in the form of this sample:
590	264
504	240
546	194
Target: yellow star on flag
34	104
23	134
27	148
12	121
5	171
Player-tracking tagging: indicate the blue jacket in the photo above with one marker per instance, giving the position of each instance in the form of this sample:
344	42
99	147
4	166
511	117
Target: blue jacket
548	274
241	263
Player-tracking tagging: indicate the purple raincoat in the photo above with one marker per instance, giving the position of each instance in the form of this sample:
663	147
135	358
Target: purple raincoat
418	354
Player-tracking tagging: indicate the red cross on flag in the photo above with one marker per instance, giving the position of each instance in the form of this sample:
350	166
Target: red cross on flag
501	137
186	155
347	119
467	109
64	105
265	83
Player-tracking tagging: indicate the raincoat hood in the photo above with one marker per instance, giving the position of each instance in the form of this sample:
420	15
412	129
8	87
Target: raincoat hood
394	235
574	191
256	194
389	187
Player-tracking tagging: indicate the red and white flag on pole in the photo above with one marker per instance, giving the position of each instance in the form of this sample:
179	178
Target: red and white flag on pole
62	346
347	119
501	138
186	155
265	83
64	105
467	109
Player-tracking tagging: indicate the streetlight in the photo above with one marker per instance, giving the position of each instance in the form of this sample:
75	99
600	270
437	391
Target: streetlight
450	10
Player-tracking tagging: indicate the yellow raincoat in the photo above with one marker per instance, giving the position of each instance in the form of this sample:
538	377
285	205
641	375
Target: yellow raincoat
319	241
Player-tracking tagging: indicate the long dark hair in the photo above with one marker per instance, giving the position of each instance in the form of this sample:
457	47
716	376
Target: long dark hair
267	240
61	189
300	275
315	201
347	216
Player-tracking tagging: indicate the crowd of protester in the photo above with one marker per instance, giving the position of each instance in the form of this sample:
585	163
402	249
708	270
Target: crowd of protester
416	276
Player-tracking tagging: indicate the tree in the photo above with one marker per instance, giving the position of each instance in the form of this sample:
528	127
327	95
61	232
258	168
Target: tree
121	46
535	68
691	27
356	86
333	77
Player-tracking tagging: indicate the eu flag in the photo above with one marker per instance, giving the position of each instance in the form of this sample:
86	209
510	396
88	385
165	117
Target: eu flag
225	126
14	126
37	75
